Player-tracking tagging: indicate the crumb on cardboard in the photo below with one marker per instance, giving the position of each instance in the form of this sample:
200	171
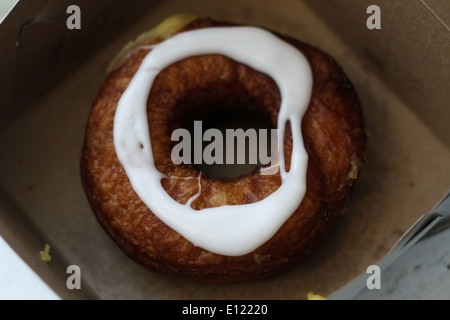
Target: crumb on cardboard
45	256
312	296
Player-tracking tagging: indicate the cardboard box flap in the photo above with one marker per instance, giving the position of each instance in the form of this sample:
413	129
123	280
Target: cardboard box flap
410	53
38	50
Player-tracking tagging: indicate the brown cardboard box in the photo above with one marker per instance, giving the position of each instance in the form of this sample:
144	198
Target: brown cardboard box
51	74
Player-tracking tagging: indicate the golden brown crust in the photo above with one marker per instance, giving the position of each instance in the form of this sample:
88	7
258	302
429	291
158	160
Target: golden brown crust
333	136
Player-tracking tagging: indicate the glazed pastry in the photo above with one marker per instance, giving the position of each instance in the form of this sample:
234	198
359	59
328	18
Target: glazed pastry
173	218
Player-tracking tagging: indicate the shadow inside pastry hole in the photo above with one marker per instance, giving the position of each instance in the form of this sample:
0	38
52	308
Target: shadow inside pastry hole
238	151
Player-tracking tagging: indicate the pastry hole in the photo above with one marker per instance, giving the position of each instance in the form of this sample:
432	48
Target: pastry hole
241	142
235	98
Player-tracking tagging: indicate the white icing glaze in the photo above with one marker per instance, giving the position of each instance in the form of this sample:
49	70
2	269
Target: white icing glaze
228	230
